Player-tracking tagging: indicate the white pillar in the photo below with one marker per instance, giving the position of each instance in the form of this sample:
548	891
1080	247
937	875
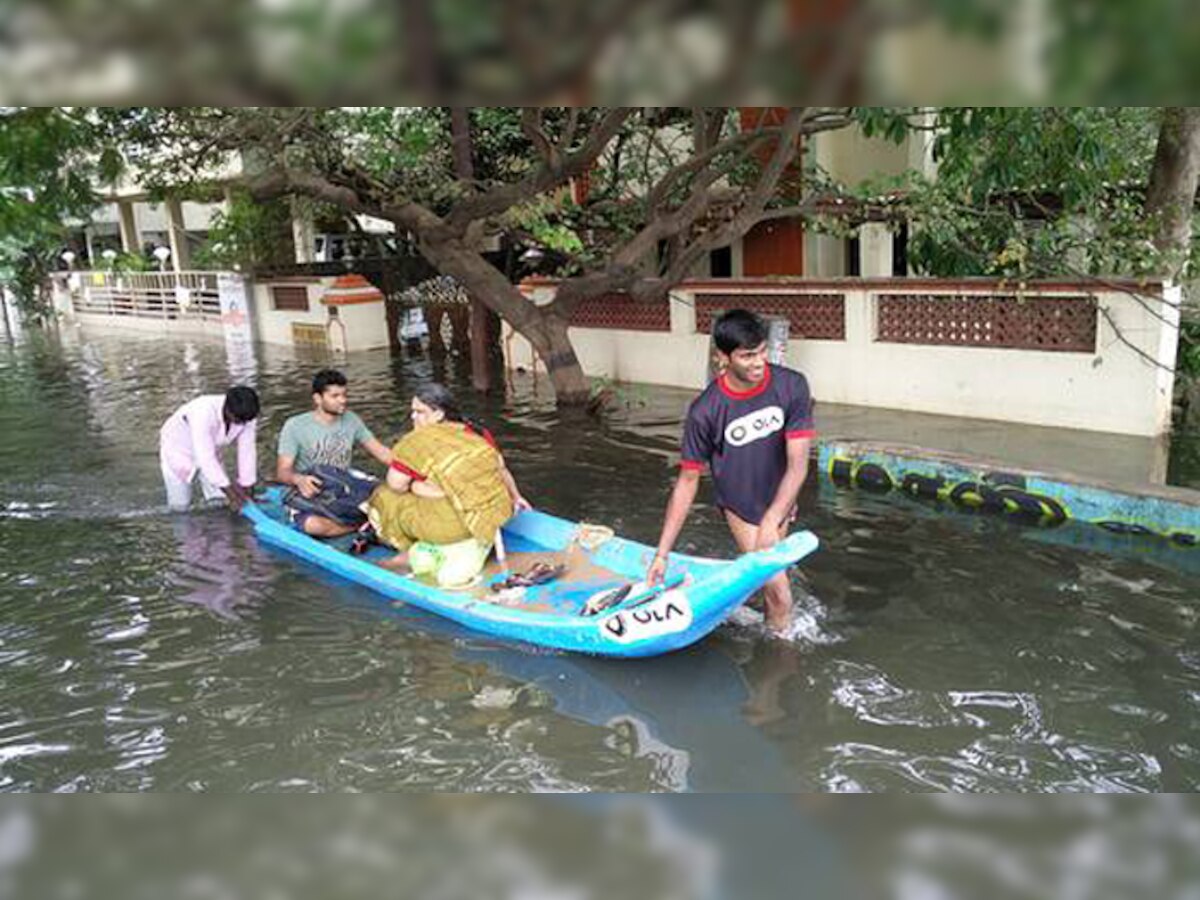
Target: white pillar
91	249
181	257
131	238
920	144
303	234
875	250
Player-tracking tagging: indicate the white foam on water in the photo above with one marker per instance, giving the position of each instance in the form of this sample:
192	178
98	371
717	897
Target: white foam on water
807	626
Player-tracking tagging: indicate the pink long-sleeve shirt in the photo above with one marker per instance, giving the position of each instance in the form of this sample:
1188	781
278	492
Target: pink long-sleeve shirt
194	434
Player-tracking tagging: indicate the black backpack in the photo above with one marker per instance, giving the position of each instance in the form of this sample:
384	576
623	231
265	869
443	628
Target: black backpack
343	491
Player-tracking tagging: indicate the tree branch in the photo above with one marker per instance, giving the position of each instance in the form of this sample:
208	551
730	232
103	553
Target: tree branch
571	128
744	142
1130	344
622	273
531	125
542	179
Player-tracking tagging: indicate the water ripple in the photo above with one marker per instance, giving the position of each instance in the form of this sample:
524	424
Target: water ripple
932	651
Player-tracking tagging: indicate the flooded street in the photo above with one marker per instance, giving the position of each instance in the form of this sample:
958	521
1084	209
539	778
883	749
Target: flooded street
148	652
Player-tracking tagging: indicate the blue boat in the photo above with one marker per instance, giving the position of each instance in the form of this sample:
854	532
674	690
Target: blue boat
697	595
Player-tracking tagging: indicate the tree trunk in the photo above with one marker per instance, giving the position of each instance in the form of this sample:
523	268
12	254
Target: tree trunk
553	345
480	359
464	168
460	140
1171	193
543	327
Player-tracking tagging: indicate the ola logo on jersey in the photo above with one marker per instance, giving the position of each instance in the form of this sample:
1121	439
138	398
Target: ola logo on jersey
751	427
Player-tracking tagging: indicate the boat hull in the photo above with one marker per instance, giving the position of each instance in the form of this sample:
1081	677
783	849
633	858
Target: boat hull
548	616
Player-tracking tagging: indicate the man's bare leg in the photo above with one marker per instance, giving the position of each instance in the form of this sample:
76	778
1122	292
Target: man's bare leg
319	526
397	563
777	593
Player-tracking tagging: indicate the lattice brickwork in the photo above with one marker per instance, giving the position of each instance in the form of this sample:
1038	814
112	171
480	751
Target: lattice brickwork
623	312
818	317
1063	324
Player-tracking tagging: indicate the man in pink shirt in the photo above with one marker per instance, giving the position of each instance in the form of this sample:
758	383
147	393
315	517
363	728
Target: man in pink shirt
190	442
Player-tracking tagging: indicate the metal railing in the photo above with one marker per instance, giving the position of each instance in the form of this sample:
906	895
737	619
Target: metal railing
148	295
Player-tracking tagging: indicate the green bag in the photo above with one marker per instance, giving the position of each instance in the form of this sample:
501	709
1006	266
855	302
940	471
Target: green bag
451	565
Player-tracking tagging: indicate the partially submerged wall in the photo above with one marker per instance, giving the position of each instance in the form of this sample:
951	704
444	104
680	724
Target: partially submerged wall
1095	356
341	313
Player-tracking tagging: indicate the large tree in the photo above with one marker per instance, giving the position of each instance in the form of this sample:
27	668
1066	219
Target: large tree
51	159
667	185
1048	191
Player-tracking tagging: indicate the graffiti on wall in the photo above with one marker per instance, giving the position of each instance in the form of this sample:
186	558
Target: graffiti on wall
995	493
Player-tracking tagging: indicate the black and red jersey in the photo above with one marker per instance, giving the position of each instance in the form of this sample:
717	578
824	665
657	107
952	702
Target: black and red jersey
742	436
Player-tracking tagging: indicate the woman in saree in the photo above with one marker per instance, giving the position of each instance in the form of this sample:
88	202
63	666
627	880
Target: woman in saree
447	483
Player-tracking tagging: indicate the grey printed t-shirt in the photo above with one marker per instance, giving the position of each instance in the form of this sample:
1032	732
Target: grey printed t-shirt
311	443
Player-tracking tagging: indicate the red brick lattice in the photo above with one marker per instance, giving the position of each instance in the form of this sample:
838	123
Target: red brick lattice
622	312
817	317
1062	324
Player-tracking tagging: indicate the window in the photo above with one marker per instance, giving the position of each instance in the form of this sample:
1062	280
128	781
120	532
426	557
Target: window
853	262
721	262
900	251
290	297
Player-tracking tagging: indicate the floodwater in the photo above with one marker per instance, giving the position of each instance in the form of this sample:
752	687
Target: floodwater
932	651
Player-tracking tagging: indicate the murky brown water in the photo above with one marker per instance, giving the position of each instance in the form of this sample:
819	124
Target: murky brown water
149	652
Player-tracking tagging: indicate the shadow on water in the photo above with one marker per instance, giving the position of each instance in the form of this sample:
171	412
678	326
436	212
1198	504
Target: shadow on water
931	651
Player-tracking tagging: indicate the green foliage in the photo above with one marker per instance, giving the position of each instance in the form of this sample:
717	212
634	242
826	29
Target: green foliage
1187	362
605	393
542	221
1036	191
886	122
24	268
49	158
247	234
132	262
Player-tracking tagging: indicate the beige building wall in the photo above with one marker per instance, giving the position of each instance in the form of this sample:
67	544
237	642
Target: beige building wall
852	158
1118	388
365	323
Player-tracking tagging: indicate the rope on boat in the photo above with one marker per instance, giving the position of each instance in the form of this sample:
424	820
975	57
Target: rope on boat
590	536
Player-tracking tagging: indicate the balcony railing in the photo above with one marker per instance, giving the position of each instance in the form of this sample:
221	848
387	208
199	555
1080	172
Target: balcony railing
149	295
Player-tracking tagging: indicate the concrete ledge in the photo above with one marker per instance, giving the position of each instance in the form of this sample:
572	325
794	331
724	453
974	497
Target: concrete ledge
1048	499
147	325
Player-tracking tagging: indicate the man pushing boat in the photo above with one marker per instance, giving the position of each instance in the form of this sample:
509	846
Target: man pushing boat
190	444
753	428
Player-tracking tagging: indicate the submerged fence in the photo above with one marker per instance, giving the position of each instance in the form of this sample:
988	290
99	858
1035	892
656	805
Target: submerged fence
145	295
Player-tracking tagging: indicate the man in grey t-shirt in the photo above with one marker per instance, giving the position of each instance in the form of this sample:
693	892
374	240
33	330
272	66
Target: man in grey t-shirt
325	436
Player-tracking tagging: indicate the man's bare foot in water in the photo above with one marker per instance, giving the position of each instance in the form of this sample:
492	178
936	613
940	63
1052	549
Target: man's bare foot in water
397	563
777	604
776	593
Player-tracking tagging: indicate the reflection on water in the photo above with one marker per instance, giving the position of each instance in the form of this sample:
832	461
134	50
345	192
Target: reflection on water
932	652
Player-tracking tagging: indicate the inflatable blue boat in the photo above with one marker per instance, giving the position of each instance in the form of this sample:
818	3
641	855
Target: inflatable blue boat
696	596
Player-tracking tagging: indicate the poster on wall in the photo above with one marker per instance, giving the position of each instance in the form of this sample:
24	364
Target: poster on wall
236	326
